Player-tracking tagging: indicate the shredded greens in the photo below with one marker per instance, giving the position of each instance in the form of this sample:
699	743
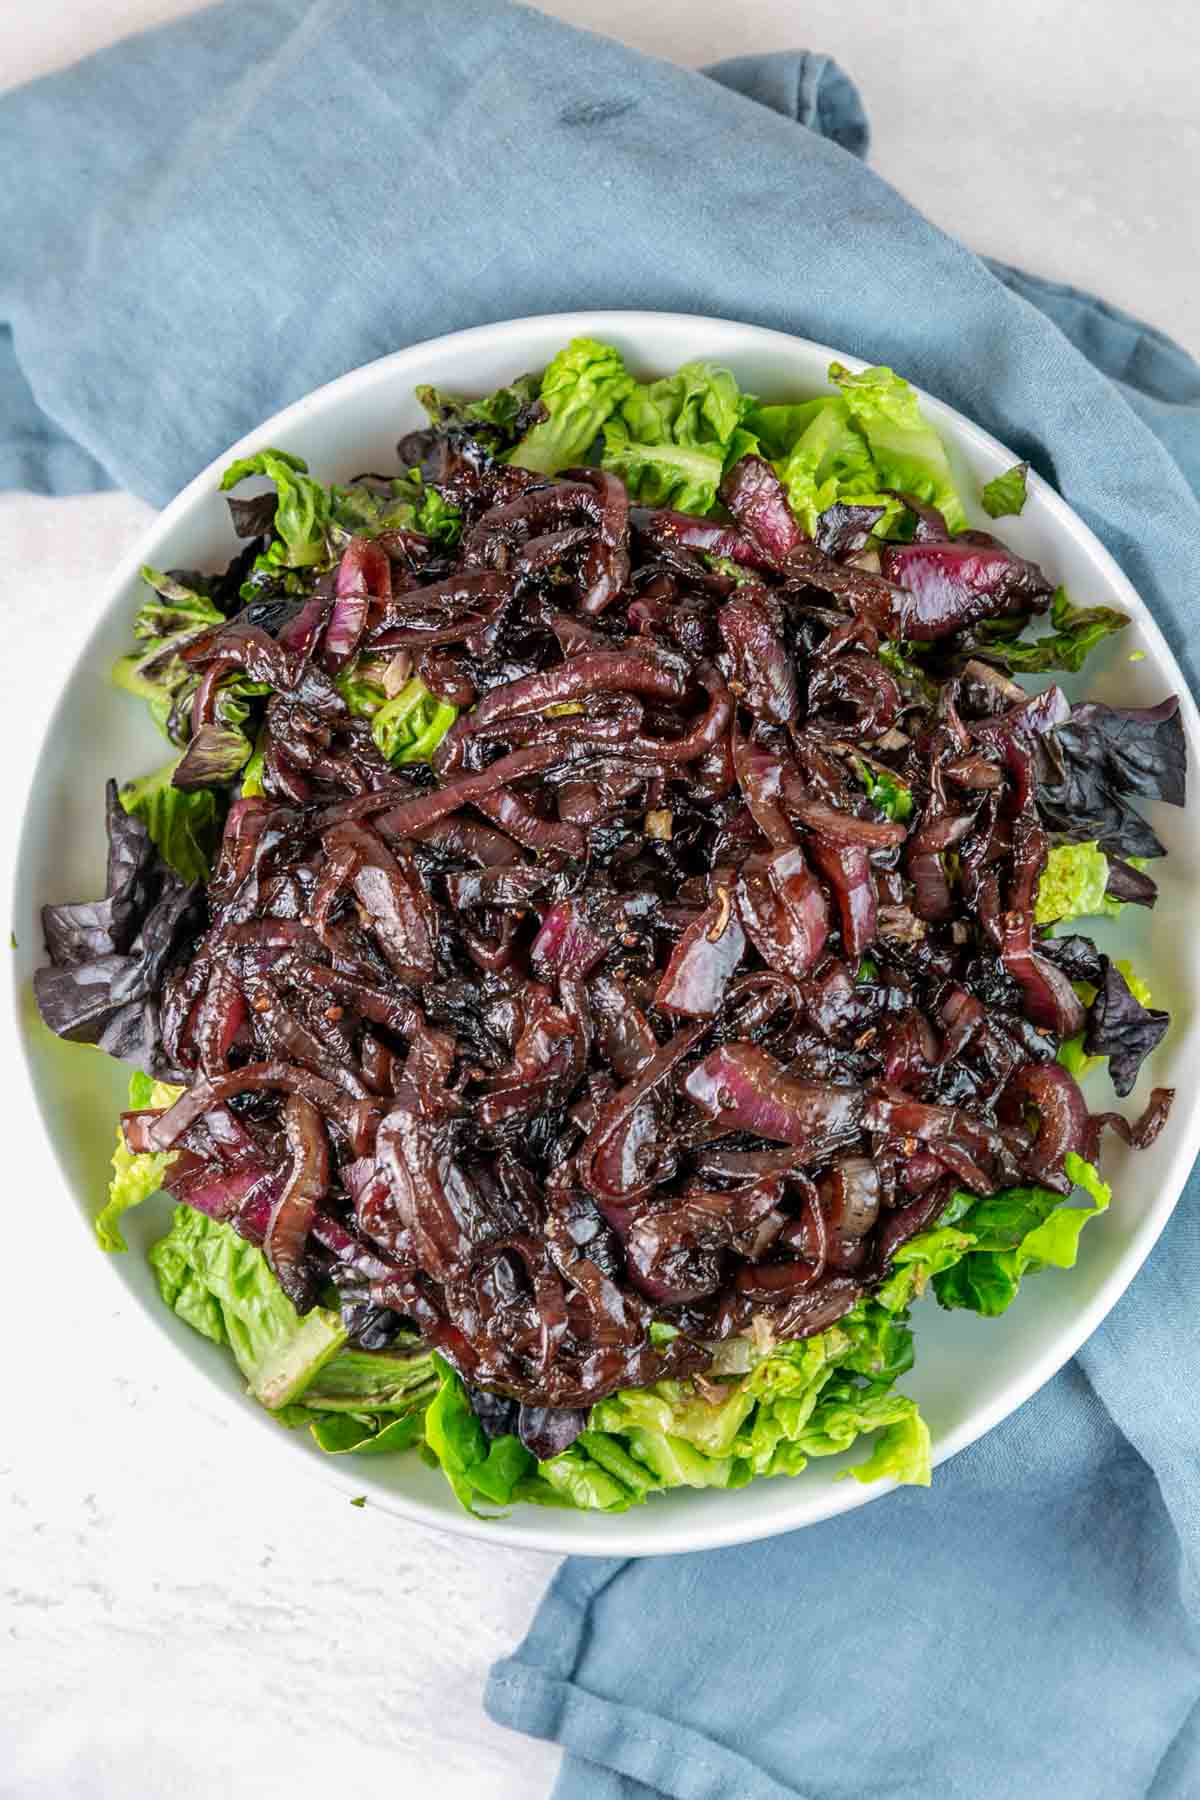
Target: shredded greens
1005	494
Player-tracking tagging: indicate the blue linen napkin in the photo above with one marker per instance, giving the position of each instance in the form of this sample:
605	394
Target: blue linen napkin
210	220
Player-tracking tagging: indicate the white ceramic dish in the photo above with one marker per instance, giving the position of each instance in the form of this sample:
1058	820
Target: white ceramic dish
970	1373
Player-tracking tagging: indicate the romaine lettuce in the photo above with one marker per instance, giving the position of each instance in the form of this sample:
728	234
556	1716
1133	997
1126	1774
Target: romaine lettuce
1073	885
887	791
1076	632
1014	1233
302	514
672	440
134	1177
408	505
185	826
863	445
821	457
366	1402
474	1467
406	728
581	389
1005	494
907	453
223	1287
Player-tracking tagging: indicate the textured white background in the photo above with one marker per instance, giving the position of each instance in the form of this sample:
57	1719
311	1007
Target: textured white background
178	1619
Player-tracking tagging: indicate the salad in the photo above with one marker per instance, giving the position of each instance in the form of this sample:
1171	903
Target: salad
610	932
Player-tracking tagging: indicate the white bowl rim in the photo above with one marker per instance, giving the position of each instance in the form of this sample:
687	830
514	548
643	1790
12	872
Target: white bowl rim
628	1535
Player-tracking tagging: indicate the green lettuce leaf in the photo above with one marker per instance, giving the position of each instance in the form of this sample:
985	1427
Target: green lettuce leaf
887	791
302	507
252	774
363	511
581	389
224	1288
173	617
676	1409
597	1474
1015	1233
366	1402
1073	885
407	728
504	411
906	452
373	1380
475	1468
673	439
902	1451
928	1254
820	456
175	607
855	446
134	1177
1076	632
367	1434
185	826
1005	494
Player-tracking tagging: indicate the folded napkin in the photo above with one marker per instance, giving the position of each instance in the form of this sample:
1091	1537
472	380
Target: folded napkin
209	221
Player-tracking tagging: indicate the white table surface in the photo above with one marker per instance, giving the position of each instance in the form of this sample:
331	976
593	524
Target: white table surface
180	1622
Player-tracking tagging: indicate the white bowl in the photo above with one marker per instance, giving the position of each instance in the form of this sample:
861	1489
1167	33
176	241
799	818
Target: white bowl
970	1373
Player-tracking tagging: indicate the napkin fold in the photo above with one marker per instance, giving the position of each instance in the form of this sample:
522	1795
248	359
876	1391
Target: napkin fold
210	220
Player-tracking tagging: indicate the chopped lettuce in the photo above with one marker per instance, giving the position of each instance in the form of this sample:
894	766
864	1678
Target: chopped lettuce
475	1468
1005	494
302	513
134	1177
408	505
672	440
173	617
185	826
1076	632
175	607
581	389
864	446
821	457
907	453
252	774
1014	1233
504	410
223	1287
886	790
366	1402
1073	885
406	728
